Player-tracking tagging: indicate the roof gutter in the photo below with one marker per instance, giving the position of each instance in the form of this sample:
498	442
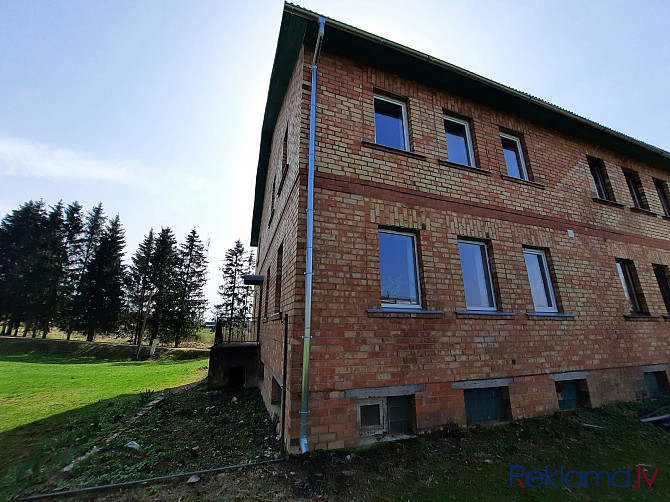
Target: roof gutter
306	339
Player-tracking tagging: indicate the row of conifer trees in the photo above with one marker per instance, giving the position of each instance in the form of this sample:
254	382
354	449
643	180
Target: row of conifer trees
61	266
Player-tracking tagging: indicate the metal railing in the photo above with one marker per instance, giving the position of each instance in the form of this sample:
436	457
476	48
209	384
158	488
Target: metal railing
237	330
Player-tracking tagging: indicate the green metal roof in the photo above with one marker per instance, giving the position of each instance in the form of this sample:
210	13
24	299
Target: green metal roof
300	26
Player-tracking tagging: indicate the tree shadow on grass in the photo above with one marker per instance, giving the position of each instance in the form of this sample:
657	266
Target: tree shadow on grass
32	453
188	431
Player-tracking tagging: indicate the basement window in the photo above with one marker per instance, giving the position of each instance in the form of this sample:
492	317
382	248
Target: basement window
275	396
572	394
487	405
656	383
391	123
384	415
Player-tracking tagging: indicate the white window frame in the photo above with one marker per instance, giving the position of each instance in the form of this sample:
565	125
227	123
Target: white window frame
468	140
413	306
373	430
522	165
490	276
549	286
405	128
633	296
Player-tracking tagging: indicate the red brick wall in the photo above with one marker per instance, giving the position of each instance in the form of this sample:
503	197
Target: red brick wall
361	187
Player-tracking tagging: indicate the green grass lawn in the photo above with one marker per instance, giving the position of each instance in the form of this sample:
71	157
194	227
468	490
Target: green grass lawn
58	399
36	385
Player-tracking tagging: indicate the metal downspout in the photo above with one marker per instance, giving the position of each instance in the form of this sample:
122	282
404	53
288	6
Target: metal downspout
304	406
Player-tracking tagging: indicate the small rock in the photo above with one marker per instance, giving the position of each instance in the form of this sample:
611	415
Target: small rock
133	445
193	479
234	399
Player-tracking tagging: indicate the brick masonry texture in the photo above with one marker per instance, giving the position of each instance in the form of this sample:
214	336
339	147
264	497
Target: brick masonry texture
362	187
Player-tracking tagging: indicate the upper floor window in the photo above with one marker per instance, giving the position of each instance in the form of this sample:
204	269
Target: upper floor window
284	161
662	190
459	143
635	187
391	123
600	179
278	280
516	167
398	270
476	276
663	278
540	280
631	286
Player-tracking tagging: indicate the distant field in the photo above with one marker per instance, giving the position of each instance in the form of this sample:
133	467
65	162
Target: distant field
41	378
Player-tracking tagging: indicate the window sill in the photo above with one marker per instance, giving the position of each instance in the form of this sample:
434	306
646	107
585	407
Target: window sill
275	315
643	211
643	317
485	313
264	319
608	202
478	170
390	149
394	312
523	182
559	315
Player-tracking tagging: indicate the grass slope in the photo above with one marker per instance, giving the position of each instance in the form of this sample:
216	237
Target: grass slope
37	384
59	399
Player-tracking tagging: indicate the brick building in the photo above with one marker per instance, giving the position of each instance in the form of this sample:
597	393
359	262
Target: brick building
478	253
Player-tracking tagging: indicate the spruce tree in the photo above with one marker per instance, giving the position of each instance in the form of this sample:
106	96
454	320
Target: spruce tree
140	282
74	244
192	280
164	277
93	231
21	239
234	293
102	292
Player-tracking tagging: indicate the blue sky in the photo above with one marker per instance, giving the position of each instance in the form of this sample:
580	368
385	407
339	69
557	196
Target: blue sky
155	108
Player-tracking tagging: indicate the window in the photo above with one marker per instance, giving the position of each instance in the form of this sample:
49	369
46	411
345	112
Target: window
398	270
372	417
383	415
278	274
635	187
572	394
662	190
487	404
656	383
459	144
663	277
540	280
600	179
476	276
516	167
284	160
391	123
630	285
272	201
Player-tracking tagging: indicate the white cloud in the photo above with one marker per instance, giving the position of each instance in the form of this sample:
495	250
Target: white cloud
24	158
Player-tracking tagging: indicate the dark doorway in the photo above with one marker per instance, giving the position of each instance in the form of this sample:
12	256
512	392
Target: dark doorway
236	377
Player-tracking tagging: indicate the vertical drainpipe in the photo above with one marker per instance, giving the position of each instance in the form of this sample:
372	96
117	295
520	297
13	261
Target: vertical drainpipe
304	407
